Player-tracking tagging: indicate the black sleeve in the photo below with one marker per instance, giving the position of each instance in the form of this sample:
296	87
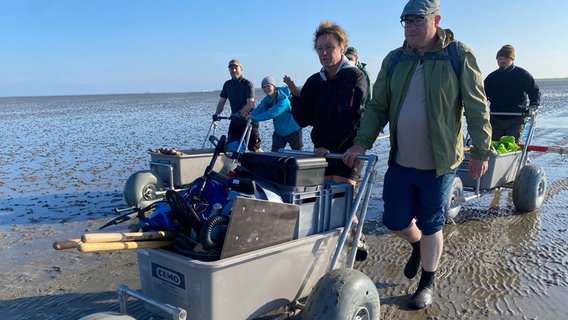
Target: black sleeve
303	107
351	110
532	91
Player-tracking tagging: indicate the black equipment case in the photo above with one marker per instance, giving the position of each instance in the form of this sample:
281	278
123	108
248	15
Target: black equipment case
285	169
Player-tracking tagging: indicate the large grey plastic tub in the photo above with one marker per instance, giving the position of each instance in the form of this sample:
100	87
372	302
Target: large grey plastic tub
245	286
502	169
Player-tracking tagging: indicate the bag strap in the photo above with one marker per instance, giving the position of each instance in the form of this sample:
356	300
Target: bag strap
451	53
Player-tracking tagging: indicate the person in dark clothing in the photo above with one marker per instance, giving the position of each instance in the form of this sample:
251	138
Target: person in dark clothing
240	93
507	89
351	55
332	101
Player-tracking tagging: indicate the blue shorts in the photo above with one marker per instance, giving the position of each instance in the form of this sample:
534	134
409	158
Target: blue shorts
411	193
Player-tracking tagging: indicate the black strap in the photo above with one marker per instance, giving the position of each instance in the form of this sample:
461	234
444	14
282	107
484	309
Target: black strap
451	53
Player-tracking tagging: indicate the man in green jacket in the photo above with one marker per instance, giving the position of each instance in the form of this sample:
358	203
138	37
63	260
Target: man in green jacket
423	100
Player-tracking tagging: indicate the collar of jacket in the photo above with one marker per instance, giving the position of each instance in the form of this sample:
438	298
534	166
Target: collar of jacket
345	63
509	68
444	37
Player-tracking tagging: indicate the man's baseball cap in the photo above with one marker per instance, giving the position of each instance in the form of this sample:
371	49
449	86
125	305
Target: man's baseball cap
235	62
350	53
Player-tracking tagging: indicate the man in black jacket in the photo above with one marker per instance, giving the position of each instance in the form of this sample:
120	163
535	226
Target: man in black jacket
507	89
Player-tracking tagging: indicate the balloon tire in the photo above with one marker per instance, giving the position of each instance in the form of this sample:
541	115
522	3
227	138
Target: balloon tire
453	207
529	188
343	294
141	187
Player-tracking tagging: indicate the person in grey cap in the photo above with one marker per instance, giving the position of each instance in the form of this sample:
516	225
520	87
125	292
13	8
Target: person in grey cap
422	99
507	89
276	106
240	93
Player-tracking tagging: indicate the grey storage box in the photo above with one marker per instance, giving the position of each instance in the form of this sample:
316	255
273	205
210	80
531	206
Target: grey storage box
321	210
185	168
502	169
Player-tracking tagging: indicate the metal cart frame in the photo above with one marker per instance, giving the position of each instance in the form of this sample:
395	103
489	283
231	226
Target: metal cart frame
316	267
509	170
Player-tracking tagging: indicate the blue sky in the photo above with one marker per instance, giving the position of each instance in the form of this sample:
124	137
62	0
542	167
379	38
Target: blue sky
67	47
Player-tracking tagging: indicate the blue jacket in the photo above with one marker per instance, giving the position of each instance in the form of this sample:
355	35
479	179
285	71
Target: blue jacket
279	110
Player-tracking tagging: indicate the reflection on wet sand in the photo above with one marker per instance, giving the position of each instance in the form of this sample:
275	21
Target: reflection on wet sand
557	122
492	264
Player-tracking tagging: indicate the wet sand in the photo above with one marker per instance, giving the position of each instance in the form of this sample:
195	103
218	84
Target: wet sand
497	263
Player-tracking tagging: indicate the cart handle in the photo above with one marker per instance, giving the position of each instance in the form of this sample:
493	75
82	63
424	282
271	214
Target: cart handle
124	292
365	157
530	111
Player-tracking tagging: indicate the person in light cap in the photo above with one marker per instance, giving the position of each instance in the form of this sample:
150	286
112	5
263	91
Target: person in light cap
507	89
240	93
421	92
276	106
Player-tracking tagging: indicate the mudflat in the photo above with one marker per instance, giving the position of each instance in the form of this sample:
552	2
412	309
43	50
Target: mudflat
497	263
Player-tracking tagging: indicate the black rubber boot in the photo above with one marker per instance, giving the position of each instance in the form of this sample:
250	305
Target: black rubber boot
413	264
424	294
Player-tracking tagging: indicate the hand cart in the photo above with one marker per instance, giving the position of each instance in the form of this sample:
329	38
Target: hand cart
174	169
311	273
507	170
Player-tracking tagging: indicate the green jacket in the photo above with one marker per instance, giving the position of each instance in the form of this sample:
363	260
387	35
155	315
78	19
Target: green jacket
447	99
362	67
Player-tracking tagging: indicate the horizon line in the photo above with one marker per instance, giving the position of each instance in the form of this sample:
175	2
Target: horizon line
174	92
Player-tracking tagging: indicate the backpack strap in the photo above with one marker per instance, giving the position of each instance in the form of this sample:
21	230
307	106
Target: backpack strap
398	56
450	53
453	52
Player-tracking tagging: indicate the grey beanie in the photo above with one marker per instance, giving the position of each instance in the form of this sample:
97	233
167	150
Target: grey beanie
420	8
267	80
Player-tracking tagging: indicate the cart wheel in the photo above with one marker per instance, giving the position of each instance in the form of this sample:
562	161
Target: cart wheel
455	200
529	188
141	187
343	294
107	316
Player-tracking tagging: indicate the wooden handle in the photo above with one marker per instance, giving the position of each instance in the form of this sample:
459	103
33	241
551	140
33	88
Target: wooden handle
66	244
127	245
126	236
